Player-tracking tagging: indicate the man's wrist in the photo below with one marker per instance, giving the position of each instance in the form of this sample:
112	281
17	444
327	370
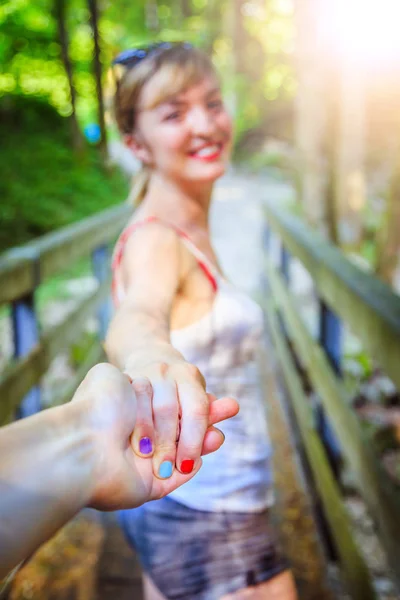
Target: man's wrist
72	421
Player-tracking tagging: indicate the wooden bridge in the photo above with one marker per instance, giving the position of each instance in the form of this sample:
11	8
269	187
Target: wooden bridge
324	458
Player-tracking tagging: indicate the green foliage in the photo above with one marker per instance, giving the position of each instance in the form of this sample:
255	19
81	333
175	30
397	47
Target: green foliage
44	184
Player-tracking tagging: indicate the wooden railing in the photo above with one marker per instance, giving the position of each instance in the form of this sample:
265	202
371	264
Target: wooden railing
22	270
346	295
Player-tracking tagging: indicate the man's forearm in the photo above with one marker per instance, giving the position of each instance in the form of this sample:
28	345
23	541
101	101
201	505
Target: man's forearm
45	464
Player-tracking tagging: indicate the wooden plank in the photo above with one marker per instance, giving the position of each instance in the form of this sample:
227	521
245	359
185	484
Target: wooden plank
380	493
367	305
18	379
292	510
23	268
352	563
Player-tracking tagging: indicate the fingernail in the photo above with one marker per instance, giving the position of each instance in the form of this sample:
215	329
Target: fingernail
165	469
187	466
145	446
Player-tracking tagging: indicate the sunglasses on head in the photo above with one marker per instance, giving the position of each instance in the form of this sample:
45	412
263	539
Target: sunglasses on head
130	58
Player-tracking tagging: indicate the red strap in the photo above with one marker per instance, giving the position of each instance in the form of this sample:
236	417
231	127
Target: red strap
119	248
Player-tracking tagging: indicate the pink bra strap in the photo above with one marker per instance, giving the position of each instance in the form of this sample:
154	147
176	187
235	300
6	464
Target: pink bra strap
120	245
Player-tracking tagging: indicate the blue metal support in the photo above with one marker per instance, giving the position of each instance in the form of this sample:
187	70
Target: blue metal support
26	336
266	238
330	338
101	270
285	270
285	264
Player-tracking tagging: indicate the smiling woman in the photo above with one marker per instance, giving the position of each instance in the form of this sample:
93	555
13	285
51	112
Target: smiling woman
191	337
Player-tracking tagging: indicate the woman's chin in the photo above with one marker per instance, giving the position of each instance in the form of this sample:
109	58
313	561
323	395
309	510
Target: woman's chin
211	174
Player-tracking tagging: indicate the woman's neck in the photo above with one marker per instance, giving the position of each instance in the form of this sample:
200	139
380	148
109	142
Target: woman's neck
187	206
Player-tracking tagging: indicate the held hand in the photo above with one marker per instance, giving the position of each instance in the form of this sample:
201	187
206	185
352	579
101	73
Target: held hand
106	407
175	417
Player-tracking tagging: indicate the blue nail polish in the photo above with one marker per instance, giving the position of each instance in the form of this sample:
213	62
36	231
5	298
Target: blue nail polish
165	469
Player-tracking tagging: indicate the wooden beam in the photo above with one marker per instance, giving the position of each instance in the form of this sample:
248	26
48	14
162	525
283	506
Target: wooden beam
380	493
367	305
352	562
18	379
23	268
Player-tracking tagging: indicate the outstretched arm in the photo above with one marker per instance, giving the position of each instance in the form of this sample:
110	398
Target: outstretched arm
138	341
80	454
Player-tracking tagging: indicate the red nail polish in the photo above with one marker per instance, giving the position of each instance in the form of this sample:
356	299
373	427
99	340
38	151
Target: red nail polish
187	466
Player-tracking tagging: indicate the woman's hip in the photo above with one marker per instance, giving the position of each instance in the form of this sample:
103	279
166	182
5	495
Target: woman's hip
202	555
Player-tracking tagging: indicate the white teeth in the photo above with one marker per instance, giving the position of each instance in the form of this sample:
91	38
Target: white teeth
208	151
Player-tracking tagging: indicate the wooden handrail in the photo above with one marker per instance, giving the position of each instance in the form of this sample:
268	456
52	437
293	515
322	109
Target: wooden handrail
22	375
23	268
368	306
380	493
372	311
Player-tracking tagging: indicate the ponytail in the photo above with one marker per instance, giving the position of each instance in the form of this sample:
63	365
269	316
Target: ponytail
140	184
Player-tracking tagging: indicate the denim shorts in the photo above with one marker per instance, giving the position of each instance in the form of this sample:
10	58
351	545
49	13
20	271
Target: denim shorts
198	555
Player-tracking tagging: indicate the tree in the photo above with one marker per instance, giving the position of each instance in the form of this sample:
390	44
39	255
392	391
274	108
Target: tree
97	69
351	187
312	117
60	14
389	235
152	19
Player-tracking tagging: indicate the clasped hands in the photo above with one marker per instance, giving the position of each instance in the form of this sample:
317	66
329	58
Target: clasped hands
149	431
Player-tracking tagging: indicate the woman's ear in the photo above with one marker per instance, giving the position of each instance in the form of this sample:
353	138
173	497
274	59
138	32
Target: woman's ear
138	148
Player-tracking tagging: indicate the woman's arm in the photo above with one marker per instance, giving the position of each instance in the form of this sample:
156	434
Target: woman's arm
151	267
138	342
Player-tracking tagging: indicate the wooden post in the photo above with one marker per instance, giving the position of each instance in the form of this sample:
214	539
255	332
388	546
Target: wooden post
101	270
26	336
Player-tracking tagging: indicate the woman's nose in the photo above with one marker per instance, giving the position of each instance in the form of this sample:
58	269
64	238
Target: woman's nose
201	122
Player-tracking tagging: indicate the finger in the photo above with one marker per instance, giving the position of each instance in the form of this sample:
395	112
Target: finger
213	440
165	421
222	409
142	438
162	487
194	422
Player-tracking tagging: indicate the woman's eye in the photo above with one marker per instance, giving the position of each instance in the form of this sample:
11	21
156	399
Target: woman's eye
215	104
173	116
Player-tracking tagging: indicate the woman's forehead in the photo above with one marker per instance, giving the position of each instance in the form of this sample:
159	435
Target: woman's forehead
163	88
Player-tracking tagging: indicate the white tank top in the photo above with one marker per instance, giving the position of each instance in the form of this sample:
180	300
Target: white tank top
224	344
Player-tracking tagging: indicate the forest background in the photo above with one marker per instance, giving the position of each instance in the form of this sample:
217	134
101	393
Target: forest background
313	87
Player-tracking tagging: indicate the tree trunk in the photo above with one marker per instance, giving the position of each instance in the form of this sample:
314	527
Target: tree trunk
152	20
351	185
213	15
311	115
60	14
187	9
389	242
97	69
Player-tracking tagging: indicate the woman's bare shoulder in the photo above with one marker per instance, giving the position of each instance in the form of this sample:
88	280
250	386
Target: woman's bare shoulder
152	256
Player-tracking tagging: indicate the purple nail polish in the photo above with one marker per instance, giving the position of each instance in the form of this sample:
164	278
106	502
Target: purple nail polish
145	446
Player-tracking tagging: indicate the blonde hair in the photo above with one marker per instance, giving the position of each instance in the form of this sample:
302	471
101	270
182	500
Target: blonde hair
177	67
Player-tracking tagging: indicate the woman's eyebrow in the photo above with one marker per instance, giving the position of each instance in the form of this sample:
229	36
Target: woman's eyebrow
179	102
172	102
212	92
